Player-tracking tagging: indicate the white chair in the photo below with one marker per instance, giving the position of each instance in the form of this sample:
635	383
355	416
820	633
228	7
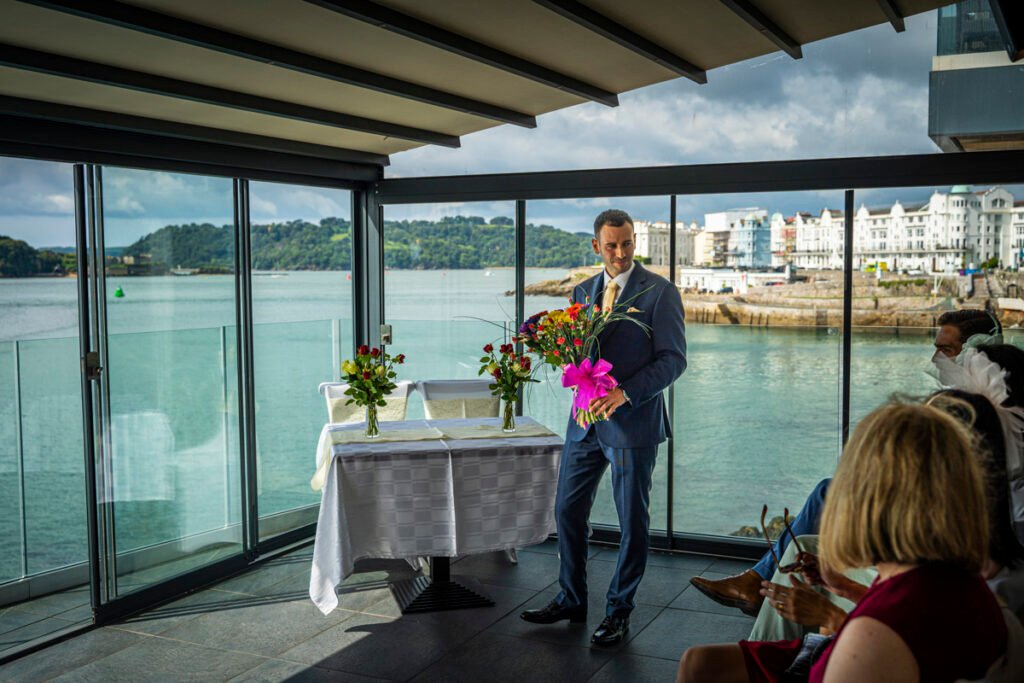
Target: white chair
455	398
340	413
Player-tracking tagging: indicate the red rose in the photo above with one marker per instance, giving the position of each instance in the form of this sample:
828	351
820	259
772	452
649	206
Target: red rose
363	350
555	353
488	348
497	373
560	340
577	342
366	374
374	352
400	358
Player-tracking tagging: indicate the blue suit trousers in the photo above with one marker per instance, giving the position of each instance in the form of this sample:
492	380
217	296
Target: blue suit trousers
583	464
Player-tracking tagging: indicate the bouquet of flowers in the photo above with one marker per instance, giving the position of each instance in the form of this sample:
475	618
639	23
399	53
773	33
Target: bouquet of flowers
510	371
567	339
370	377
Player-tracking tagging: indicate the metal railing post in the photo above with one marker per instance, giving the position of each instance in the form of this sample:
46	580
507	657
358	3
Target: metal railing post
19	445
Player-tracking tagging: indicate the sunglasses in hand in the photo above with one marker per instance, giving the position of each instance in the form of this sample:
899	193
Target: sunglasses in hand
800	564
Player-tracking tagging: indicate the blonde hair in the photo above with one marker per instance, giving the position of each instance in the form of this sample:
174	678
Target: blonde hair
908	490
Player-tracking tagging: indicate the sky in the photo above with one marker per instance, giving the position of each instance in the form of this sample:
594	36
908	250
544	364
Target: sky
861	94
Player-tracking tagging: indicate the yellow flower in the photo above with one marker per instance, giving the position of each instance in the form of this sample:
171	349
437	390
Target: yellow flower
349	368
380	370
517	367
492	367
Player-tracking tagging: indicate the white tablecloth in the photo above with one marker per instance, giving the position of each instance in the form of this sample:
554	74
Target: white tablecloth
442	497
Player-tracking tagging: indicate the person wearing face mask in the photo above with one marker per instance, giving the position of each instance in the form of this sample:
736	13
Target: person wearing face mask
968	328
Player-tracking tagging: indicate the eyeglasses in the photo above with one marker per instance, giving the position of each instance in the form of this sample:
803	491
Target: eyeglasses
771	544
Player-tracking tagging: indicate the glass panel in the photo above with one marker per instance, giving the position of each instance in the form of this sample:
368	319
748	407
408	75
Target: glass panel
559	254
301	243
448	285
43	546
172	470
757	415
920	252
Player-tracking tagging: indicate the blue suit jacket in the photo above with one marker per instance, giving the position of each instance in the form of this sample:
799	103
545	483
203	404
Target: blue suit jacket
645	362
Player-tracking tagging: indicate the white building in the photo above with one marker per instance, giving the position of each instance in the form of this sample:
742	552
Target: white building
652	241
730	219
951	230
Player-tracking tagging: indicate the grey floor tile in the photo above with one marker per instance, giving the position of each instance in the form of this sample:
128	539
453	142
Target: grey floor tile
276	670
494	657
731	567
636	669
692	564
160	660
660	585
166	617
67	656
258	580
507	600
672	631
381	647
37	629
566	634
539	572
264	628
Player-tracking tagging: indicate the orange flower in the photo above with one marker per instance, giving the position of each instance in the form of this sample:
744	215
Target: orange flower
560	341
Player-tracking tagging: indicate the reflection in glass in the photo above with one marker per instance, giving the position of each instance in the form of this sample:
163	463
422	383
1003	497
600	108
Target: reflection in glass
172	468
301	248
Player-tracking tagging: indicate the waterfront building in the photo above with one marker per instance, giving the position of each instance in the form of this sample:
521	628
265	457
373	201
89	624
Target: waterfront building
782	240
652	241
749	243
818	239
730	219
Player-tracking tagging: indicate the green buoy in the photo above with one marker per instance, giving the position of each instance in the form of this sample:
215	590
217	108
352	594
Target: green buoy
118	293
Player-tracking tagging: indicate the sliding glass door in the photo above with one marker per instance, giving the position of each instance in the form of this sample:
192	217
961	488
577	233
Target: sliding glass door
169	473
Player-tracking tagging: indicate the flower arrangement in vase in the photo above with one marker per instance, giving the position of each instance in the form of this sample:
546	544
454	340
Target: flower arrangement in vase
510	371
370	377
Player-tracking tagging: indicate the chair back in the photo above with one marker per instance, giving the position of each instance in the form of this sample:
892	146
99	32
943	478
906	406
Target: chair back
340	413
454	398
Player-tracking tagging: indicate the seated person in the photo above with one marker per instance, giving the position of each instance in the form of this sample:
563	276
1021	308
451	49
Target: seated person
908	497
802	610
957	330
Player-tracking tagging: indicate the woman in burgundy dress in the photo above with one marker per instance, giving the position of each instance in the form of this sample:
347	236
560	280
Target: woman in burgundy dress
908	497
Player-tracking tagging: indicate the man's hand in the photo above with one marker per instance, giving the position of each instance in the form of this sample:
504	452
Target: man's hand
802	605
606	405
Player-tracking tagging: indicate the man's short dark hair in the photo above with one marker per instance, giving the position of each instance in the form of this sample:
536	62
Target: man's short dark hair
613	217
971	322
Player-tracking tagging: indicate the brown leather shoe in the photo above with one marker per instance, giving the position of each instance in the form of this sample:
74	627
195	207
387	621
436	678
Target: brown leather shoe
741	591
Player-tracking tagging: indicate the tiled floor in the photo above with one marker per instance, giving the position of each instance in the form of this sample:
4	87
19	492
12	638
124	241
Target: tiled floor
261	626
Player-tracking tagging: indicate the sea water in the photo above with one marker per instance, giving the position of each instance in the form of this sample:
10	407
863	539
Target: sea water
757	415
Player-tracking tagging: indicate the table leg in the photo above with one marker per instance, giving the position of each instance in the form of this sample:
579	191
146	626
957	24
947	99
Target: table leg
436	593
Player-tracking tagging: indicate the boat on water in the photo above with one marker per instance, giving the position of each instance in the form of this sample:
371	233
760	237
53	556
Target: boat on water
179	271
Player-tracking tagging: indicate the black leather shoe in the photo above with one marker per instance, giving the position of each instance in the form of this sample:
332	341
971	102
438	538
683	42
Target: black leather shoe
611	631
554	612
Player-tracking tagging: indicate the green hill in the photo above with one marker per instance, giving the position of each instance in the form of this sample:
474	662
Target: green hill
452	242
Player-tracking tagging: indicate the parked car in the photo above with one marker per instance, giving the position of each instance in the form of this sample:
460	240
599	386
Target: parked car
725	290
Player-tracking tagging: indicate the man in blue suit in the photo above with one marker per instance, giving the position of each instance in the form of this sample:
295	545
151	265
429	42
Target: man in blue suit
645	362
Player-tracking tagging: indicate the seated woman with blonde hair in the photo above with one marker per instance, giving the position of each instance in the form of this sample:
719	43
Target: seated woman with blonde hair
908	497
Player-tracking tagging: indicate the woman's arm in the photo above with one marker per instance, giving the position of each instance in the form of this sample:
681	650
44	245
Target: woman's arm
868	650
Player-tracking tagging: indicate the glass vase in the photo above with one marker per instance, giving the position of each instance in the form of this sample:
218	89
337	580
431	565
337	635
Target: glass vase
372	422
508	419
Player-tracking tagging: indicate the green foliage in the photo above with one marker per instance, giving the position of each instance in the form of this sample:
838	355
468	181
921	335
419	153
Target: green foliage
18	259
991	263
467	242
893	284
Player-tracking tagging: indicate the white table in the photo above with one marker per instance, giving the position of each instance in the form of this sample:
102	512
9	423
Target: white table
439	498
